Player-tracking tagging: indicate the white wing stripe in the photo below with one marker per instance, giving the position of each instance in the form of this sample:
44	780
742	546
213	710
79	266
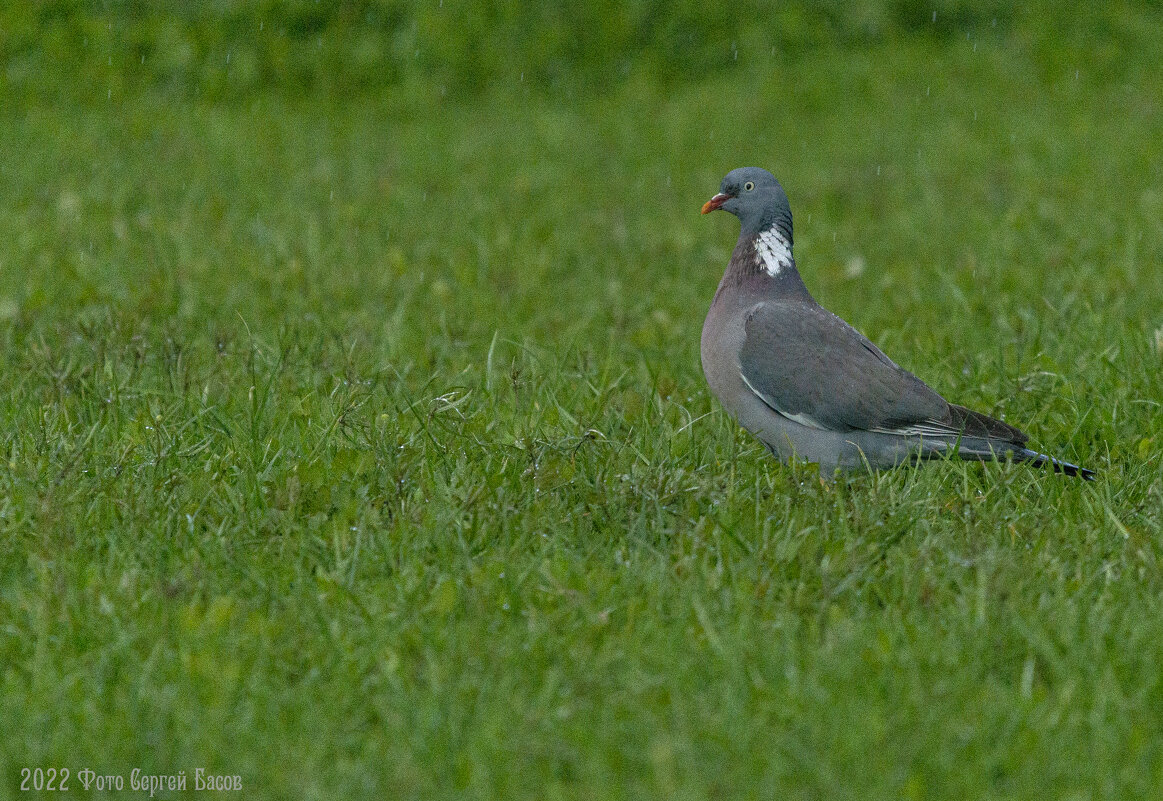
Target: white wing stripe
924	429
802	419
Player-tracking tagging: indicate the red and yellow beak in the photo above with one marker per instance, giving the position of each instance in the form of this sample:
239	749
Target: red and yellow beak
716	202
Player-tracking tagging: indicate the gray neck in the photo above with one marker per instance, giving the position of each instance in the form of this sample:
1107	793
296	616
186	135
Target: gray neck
763	262
775	215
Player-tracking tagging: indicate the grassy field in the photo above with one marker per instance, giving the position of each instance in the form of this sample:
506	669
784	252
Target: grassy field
359	447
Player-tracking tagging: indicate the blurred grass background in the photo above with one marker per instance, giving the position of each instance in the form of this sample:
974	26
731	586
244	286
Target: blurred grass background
217	49
355	439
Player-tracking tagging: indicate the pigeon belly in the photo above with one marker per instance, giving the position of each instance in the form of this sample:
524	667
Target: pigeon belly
722	339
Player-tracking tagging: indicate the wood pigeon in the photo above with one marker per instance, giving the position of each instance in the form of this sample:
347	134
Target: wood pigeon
807	383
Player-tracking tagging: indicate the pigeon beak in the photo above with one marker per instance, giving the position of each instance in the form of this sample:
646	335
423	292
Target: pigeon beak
716	202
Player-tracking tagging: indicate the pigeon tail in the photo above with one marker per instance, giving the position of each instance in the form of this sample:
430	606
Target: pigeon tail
1057	465
993	432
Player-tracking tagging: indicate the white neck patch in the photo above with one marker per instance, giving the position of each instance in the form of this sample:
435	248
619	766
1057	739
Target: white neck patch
772	252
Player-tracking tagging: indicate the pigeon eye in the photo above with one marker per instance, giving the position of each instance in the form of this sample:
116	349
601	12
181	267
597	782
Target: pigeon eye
749	186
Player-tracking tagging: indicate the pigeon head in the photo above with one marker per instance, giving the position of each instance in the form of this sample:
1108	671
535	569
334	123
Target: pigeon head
754	196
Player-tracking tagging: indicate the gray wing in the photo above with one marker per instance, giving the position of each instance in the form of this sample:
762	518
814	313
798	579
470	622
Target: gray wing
812	367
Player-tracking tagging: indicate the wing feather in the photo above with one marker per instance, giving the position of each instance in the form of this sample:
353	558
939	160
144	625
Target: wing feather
810	366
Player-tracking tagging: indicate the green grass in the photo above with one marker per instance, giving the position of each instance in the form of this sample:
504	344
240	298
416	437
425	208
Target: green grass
360	447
